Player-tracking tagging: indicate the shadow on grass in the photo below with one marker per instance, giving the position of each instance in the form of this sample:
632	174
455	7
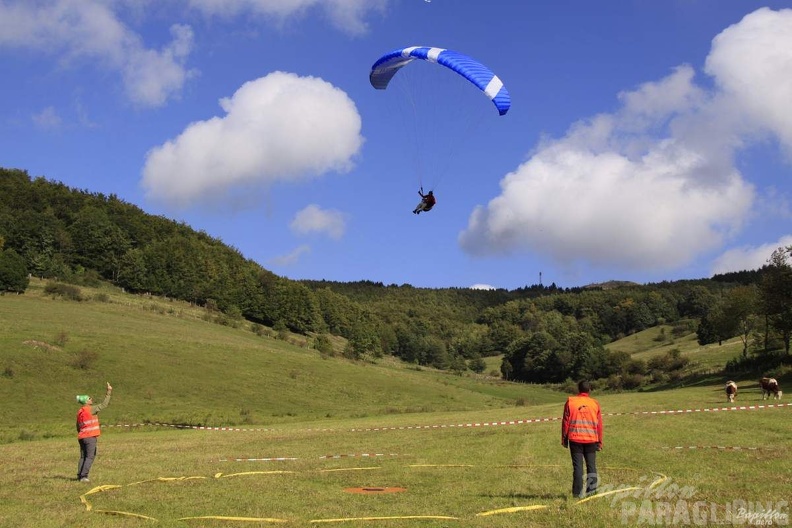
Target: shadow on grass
525	496
688	381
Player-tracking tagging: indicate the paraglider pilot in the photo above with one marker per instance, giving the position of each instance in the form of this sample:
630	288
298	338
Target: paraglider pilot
427	202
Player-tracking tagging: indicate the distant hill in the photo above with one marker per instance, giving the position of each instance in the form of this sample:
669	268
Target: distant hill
173	362
609	285
544	333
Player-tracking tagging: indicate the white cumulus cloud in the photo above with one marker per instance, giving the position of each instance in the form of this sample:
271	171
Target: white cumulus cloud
653	185
346	15
751	62
89	30
292	257
314	219
281	127
48	118
748	257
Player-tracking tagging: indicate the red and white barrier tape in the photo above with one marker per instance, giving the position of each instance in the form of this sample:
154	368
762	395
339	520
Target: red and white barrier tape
462	425
361	455
267	459
555	419
722	448
195	427
714	409
323	457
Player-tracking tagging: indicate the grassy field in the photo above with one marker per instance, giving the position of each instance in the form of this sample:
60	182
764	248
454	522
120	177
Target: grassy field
659	340
462	451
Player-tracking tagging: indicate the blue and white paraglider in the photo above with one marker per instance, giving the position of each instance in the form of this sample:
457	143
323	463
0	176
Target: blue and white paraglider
482	77
466	70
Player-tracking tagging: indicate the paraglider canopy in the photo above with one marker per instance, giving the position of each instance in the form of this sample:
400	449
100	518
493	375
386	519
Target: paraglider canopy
479	75
434	108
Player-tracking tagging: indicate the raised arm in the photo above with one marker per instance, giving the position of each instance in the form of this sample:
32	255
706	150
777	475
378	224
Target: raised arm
96	408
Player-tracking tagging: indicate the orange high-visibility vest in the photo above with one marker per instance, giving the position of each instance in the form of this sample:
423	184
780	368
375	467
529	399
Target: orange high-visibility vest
583	412
87	423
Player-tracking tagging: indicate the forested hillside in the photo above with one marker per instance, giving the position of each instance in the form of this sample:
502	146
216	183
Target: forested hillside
545	333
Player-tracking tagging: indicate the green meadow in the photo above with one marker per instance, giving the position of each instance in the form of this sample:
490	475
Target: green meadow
659	340
272	433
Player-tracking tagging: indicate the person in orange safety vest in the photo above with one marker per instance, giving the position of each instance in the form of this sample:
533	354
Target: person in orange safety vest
88	431
581	432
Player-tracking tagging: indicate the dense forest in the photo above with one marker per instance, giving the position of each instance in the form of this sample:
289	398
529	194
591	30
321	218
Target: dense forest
545	333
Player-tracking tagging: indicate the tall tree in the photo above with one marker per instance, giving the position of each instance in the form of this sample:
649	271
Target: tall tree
299	308
696	302
716	325
13	272
776	293
740	308
100	244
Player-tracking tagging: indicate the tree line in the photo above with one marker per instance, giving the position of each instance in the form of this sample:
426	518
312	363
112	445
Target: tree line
545	333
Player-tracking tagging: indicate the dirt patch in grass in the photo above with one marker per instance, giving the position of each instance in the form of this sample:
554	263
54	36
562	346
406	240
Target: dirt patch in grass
41	345
374	490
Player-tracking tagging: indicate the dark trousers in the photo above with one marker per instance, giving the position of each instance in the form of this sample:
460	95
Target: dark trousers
87	455
581	453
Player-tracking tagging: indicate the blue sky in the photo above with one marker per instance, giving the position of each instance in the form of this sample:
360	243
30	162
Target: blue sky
646	141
